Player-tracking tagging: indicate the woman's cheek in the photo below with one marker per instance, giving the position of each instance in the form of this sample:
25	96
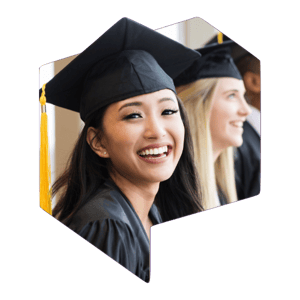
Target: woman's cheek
179	132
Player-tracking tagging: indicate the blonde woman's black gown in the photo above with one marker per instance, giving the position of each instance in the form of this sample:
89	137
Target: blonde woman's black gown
247	164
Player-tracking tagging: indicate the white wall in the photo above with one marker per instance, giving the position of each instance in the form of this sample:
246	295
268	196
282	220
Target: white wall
193	33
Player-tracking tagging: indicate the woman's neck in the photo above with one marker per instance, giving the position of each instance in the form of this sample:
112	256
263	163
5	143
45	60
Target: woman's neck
216	154
141	195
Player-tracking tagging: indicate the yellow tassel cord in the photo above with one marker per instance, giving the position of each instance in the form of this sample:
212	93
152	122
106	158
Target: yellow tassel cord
220	37
45	170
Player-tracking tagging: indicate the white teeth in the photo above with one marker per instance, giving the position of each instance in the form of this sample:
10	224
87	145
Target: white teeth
155	151
237	124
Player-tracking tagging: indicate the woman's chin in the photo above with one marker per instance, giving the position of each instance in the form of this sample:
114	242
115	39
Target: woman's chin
237	142
158	177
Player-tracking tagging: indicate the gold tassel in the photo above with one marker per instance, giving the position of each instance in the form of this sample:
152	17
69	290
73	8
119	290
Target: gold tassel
45	170
220	37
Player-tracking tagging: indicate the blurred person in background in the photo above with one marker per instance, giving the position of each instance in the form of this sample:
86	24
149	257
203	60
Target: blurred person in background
248	156
213	93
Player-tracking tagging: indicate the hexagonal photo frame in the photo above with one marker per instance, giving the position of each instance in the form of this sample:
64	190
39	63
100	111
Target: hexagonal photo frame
217	154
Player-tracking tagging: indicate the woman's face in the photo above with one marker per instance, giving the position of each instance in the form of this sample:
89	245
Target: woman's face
228	113
143	136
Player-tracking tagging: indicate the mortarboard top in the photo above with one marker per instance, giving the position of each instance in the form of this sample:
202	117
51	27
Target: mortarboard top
215	62
128	60
237	51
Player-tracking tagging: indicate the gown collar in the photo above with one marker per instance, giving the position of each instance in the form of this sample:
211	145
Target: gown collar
153	213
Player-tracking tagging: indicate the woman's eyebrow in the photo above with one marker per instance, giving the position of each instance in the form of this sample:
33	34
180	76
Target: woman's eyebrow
131	104
138	103
166	99
233	90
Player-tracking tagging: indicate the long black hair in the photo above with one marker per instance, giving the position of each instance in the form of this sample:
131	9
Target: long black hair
86	171
180	195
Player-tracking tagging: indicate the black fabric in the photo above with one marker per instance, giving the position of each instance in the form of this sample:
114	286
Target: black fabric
222	197
131	73
237	51
215	62
110	223
247	164
128	60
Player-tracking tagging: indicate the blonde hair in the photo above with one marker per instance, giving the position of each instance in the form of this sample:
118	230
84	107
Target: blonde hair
197	99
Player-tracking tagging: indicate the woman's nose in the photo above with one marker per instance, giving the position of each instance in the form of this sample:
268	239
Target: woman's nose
154	129
245	109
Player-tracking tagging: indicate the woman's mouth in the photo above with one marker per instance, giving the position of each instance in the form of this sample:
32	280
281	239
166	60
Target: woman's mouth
238	124
153	154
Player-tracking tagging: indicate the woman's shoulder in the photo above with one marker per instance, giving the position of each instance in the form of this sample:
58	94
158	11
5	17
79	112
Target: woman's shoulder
117	239
109	222
106	204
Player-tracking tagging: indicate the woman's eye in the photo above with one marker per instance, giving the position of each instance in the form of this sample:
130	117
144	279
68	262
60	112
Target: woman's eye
169	112
133	116
232	96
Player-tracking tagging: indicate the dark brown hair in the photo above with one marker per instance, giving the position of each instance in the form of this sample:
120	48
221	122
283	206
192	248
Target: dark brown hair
248	63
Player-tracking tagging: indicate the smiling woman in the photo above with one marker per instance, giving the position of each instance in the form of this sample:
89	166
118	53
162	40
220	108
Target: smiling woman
229	110
132	166
212	91
143	143
156	120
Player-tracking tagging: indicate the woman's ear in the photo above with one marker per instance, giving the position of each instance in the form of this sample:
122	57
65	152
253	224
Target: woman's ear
95	143
252	82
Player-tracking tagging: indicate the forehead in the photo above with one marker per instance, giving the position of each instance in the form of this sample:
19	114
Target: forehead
146	99
229	83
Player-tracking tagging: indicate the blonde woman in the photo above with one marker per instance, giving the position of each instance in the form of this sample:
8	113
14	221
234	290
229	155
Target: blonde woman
212	91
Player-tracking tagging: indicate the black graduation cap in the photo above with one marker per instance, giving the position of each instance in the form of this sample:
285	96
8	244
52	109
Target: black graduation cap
237	51
128	60
216	61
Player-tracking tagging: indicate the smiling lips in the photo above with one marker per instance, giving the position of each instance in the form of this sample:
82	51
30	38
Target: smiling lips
238	124
153	155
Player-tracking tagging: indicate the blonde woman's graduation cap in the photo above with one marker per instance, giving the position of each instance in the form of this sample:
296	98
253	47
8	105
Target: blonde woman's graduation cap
216	61
237	51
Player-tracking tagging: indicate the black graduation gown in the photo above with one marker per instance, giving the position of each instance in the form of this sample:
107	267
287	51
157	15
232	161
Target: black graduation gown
222	197
110	223
247	164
